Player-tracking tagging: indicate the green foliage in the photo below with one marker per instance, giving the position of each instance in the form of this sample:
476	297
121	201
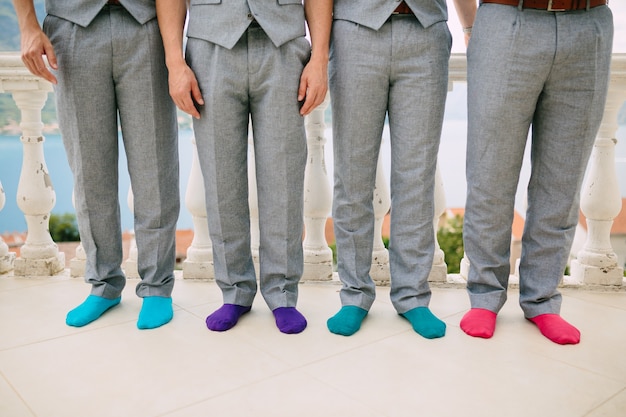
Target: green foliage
450	238
63	228
333	248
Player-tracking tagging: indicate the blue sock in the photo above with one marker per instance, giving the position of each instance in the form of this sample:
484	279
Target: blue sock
91	309
289	320
347	321
425	323
155	312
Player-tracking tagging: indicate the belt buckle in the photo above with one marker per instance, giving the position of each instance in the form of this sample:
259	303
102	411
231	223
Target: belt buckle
550	9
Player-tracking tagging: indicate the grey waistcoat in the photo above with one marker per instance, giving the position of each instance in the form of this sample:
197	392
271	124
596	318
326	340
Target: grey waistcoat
223	22
82	12
373	13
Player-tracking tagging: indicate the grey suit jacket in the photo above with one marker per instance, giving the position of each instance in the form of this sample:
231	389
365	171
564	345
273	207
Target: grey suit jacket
373	13
82	12
223	22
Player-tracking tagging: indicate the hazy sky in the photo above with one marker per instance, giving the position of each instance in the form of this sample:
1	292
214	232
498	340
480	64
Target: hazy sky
618	7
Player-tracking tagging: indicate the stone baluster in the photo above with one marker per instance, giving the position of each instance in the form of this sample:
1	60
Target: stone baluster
199	262
596	263
457	73
79	262
131	265
253	202
39	256
7	258
439	271
318	258
382	202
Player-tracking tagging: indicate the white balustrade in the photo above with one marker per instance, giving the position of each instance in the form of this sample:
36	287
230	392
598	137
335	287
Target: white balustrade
379	270
79	262
595	264
439	271
6	258
39	256
318	258
131	264
253	202
199	262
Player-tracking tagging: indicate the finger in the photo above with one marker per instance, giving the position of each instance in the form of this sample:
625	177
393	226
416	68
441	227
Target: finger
308	106
187	105
52	57
49	76
196	93
302	89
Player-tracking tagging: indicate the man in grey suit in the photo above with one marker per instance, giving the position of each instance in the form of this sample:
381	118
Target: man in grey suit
250	59
107	61
548	66
388	58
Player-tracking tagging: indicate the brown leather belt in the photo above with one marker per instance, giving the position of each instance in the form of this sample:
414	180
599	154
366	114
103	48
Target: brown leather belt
551	5
403	9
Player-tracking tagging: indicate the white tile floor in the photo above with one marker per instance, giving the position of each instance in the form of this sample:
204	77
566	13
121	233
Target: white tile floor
109	368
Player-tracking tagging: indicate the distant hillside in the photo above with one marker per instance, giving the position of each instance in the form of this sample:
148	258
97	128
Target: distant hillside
10	34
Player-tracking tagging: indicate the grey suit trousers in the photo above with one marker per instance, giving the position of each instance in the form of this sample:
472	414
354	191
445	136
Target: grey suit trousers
549	70
257	80
401	71
116	66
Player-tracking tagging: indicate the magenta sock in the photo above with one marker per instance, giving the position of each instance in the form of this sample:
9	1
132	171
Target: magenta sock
226	317
479	322
556	329
289	320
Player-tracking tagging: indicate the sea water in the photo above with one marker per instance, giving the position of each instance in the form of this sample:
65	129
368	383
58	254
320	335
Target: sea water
451	165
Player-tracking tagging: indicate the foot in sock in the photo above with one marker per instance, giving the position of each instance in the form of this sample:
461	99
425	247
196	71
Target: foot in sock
91	309
425	323
556	329
479	322
225	317
155	312
289	320
347	321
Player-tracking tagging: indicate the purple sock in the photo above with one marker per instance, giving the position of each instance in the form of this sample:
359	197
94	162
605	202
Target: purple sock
289	320
225	317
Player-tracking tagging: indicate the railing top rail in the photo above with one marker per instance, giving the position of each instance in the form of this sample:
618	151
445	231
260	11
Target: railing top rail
14	76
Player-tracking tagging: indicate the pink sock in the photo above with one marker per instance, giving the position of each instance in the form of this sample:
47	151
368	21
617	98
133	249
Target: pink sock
556	329
479	322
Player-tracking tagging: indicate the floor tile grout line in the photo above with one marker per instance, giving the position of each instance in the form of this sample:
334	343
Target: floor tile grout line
608	400
16	392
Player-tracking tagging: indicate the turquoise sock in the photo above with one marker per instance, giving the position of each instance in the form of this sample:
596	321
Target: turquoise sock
91	309
347	321
155	312
425	323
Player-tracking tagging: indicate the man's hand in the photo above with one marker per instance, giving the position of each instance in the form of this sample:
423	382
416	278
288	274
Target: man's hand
35	44
184	89
313	85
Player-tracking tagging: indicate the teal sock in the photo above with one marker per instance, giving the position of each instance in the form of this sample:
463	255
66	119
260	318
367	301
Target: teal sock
155	312
347	321
425	323
91	309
